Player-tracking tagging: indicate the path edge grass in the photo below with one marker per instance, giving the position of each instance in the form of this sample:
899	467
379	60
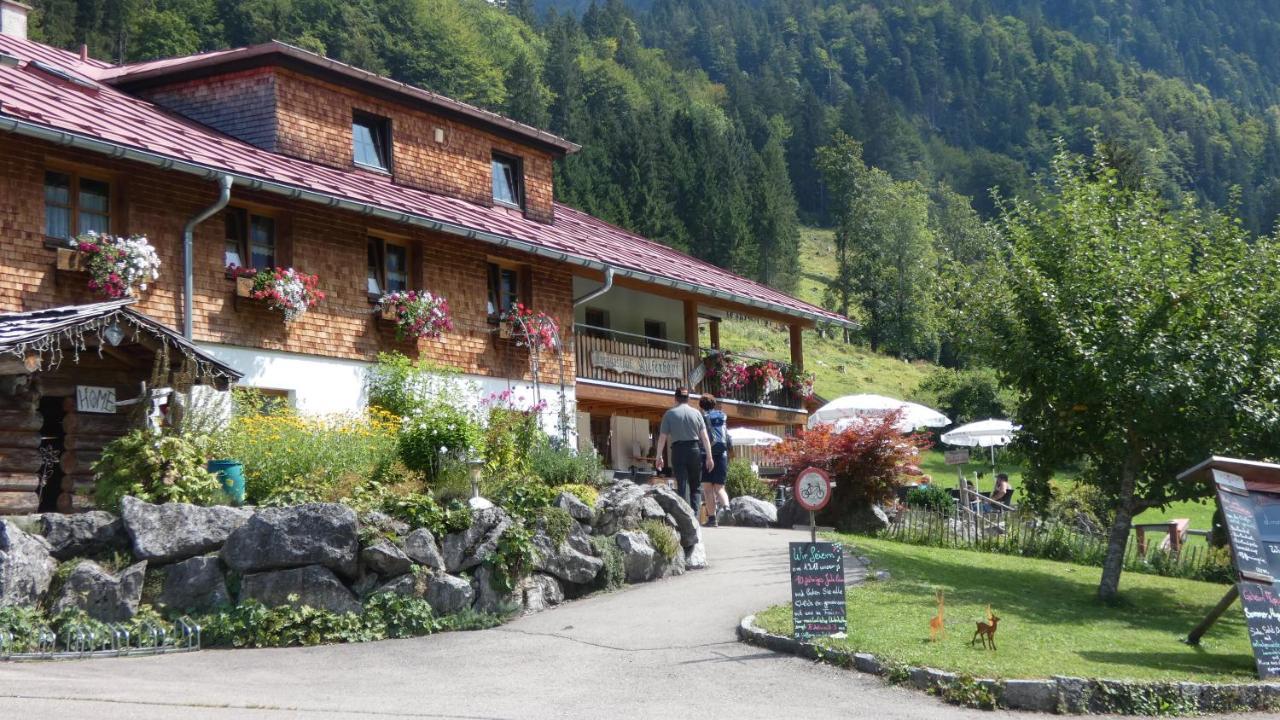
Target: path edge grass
1058	694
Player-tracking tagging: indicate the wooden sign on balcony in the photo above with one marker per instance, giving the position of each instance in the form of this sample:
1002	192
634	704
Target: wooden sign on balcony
646	366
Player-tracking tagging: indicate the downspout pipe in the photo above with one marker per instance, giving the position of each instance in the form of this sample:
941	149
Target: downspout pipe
608	285
188	252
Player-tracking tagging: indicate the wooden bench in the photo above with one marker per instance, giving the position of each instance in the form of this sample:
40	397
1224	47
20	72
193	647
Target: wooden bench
1175	535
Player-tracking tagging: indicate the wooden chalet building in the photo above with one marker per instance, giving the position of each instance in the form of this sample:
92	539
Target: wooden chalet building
274	156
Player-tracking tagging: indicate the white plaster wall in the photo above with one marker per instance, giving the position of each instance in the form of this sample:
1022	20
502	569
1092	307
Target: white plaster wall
628	309
320	385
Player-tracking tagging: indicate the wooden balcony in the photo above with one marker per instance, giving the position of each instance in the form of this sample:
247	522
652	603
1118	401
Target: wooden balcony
634	361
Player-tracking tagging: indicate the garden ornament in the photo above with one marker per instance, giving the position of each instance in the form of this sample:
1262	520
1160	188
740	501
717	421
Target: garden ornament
987	630
936	626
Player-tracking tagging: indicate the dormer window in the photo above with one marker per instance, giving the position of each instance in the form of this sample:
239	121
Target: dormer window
371	141
508	181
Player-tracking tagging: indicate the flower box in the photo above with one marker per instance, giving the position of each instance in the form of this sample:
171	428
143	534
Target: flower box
71	260
117	267
417	314
387	312
504	330
284	289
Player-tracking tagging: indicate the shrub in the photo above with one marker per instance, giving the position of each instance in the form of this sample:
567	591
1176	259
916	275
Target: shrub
556	522
662	537
743	481
400	386
433	431
522	498
420	510
511	436
586	493
931	497
561	466
288	457
867	461
155	468
252	625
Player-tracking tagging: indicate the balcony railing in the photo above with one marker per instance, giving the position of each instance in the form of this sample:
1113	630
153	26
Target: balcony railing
629	359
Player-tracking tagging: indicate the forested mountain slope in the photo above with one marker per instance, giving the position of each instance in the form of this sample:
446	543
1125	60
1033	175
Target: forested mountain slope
700	120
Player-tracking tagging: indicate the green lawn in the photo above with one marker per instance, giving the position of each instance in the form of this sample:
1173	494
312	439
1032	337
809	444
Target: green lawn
1050	622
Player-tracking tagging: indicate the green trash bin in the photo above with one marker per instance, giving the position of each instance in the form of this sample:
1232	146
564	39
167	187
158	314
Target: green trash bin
230	477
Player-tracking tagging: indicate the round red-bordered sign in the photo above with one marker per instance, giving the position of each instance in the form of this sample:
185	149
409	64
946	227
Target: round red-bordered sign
813	489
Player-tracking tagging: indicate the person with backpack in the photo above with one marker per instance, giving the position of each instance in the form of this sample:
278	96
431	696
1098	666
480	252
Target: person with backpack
714	498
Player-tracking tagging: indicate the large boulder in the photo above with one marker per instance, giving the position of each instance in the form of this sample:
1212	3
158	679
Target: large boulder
492	600
541	592
864	519
84	533
467	549
26	567
667	567
638	556
101	594
383	523
791	515
385	559
176	531
572	561
408	585
651	510
752	512
193	585
685	518
577	509
288	537
695	558
312	586
420	546
619	508
449	594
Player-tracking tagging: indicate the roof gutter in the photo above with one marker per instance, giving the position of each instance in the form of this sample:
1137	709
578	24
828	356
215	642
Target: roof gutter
116	150
608	285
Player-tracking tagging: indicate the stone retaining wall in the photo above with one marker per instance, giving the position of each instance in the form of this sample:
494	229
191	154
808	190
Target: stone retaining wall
1062	695
194	559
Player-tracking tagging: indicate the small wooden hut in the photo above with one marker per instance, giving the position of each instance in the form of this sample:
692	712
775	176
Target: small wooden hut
74	378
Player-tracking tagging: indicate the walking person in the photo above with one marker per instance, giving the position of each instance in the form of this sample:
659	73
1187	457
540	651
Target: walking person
714	497
683	427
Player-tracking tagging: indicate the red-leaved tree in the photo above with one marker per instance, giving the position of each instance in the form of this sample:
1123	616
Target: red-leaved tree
867	462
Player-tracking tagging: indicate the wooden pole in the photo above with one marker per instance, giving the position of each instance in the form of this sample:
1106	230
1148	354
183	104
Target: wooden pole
1214	614
691	325
797	346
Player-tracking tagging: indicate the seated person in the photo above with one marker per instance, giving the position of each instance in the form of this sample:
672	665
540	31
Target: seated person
1001	494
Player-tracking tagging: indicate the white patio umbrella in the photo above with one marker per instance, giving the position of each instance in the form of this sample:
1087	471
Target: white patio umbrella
750	437
983	433
844	411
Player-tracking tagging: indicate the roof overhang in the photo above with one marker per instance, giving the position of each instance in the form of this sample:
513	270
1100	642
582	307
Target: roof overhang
50	335
293	192
277	54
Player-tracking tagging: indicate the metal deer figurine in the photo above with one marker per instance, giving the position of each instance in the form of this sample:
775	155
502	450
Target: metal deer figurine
936	626
987	630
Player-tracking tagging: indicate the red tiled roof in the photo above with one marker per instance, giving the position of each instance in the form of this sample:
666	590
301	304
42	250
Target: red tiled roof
128	76
91	111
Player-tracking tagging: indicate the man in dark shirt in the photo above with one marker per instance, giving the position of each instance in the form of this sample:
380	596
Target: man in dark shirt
684	427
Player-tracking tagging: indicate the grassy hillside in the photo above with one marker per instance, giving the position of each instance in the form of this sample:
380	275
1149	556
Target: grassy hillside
841	369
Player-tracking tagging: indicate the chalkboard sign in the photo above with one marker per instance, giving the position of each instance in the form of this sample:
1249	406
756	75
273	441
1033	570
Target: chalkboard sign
1262	614
817	589
1246	544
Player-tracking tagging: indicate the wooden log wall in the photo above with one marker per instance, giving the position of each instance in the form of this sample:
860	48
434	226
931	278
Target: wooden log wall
85	435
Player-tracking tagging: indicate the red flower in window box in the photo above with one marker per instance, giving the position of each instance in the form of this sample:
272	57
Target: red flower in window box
284	289
417	313
532	329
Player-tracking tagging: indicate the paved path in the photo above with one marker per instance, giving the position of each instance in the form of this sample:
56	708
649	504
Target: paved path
660	650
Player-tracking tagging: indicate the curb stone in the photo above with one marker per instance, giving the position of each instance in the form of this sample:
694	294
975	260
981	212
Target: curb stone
1061	695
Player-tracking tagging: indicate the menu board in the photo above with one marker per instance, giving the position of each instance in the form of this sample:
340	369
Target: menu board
1251	556
817	589
1262	614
